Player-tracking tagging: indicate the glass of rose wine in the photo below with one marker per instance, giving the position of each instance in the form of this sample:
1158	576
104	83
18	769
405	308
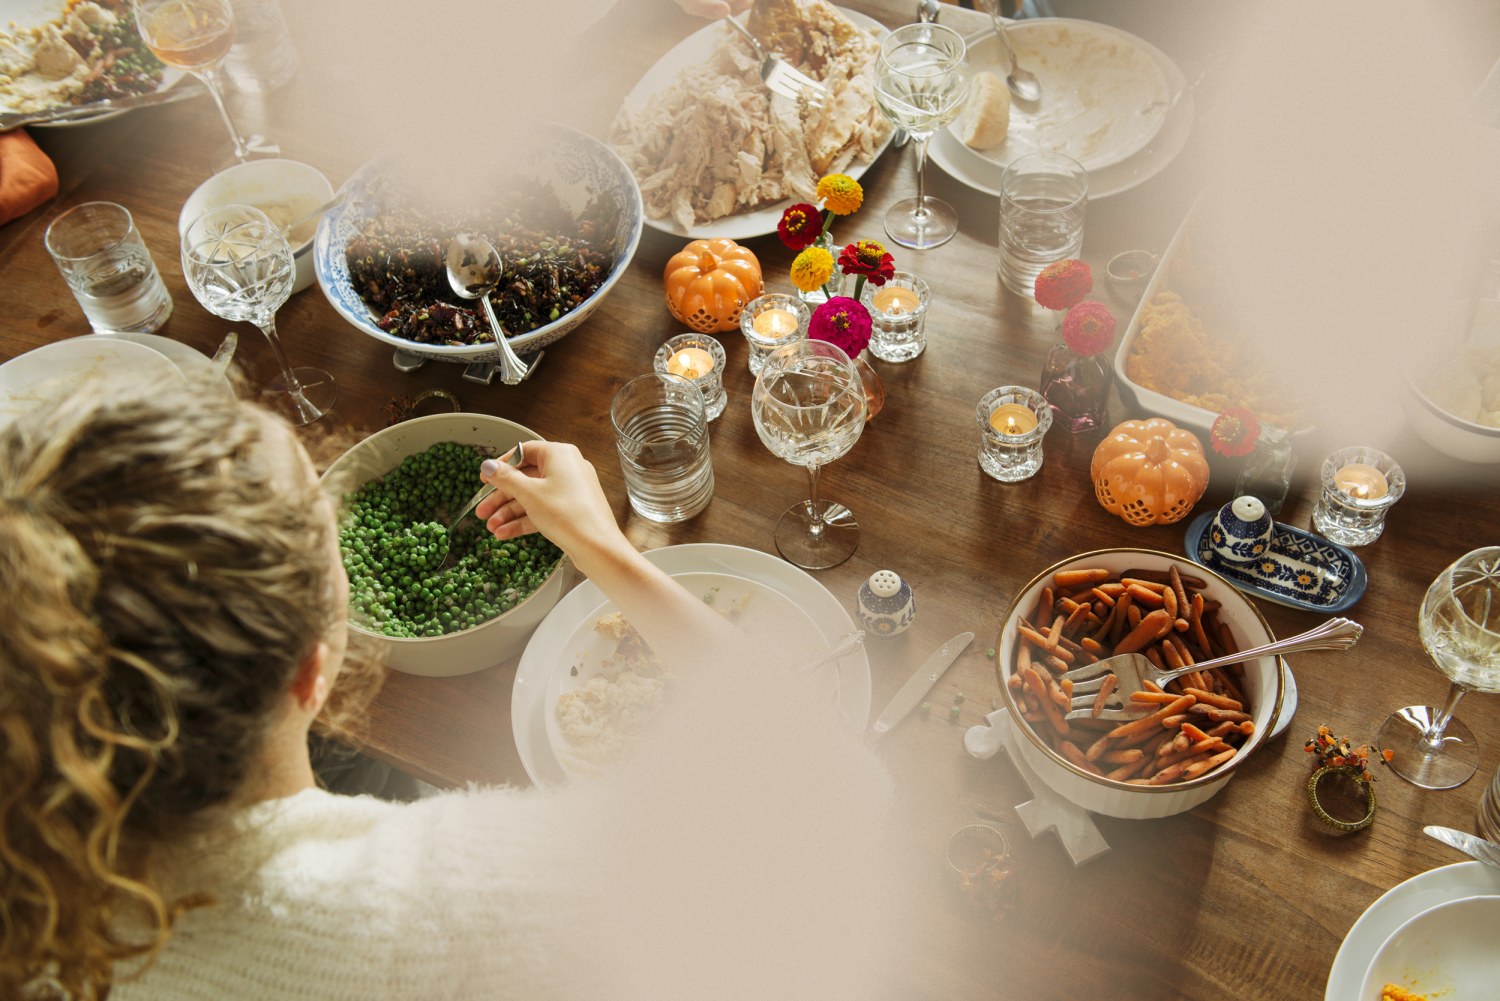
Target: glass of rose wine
196	35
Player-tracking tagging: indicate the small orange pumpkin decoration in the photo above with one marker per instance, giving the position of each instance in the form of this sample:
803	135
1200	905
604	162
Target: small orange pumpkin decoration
709	282
1149	472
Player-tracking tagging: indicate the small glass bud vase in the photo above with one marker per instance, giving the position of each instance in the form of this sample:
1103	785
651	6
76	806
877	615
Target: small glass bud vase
1076	387
1267	472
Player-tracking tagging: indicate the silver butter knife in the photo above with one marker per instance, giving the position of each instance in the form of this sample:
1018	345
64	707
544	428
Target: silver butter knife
921	683
1475	847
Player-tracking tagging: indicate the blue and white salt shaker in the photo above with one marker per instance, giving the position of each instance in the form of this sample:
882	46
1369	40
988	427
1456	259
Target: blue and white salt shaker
1241	530
886	604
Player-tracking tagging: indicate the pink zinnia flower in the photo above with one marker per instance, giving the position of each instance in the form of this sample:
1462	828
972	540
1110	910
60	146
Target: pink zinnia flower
1064	284
1089	328
1235	432
841	321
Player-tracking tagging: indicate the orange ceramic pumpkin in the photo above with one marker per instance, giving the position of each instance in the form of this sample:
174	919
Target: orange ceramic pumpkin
1149	472
709	282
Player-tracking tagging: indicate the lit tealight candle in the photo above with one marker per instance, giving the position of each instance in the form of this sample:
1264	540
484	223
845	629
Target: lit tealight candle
691	363
775	323
897	300
1012	418
1361	481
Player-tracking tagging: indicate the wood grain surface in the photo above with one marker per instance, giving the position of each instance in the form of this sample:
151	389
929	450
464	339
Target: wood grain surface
1245	898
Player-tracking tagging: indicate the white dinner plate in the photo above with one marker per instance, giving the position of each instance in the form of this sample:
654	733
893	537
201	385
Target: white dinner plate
1447	951
982	171
546	651
695	49
191	362
780	628
29	13
1395	907
47	373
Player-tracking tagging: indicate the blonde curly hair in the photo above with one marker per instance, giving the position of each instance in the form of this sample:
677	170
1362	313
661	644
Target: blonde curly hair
166	568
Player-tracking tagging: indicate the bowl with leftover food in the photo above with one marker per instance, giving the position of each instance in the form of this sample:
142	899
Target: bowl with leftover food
1455	405
1445	951
285	190
1191	738
605	692
45	374
437	603
563	211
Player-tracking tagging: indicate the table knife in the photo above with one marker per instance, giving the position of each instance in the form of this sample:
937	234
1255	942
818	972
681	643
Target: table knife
1485	851
921	683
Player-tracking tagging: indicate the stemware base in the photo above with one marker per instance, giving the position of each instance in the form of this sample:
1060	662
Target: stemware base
798	545
1448	765
933	226
319	392
256	148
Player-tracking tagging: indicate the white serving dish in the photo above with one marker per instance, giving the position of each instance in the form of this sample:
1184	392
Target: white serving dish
781	629
1445	431
1264	688
1446	951
578	168
545	653
53	371
283	189
490	642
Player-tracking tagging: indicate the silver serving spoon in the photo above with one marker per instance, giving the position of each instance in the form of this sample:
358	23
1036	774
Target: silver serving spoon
327	206
514	459
474	268
1022	83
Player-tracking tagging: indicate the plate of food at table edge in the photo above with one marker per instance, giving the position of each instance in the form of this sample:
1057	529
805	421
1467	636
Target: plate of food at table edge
57	57
716	154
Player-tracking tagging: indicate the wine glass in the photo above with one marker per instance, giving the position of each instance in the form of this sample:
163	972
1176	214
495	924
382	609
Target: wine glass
921	83
809	409
1460	628
239	266
196	35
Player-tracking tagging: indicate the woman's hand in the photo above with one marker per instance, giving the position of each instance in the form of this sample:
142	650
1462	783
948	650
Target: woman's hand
555	492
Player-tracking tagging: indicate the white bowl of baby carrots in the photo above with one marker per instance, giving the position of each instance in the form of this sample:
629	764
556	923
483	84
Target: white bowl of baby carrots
1180	746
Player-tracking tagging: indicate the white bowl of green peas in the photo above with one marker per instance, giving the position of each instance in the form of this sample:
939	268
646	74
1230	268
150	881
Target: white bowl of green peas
437	603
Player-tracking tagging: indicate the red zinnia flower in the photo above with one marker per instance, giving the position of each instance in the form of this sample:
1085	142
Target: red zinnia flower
869	259
800	226
841	321
1089	328
1235	432
1064	284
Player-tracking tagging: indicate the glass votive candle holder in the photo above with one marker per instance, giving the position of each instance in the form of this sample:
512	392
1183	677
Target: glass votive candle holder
698	358
1013	420
771	320
898	316
1359	486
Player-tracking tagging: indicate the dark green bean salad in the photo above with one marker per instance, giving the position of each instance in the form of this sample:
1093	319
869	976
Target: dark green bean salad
394	540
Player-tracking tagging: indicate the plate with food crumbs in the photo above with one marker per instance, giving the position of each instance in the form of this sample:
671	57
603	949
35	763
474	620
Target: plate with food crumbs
60	55
1394	909
48	373
1447	951
610	685
552	649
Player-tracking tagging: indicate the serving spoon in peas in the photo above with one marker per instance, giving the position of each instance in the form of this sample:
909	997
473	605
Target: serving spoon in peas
514	459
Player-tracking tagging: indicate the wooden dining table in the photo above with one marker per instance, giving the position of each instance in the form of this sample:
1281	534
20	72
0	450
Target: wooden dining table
1245	897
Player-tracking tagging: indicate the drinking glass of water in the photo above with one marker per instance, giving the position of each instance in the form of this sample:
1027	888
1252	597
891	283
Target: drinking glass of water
809	409
661	433
921	83
1460	627
106	264
1042	202
239	266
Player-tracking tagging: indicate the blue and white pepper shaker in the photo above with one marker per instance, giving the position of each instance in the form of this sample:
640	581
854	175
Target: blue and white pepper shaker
886	604
1241	530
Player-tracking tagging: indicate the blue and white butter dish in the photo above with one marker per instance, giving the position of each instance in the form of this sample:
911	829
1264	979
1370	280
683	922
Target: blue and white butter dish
886	604
1260	556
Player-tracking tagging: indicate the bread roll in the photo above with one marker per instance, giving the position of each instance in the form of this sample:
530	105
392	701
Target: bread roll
985	120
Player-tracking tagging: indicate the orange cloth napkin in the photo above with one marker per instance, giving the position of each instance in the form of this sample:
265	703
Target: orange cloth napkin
27	176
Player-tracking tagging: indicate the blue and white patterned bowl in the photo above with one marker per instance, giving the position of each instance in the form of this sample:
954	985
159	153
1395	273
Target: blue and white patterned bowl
578	168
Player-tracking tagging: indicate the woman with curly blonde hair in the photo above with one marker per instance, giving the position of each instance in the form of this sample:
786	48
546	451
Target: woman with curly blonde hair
176	620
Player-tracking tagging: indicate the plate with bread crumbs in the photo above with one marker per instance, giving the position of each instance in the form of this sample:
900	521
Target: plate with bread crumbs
716	154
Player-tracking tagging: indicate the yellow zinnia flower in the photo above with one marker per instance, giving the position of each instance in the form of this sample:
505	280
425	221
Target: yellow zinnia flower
812	269
841	194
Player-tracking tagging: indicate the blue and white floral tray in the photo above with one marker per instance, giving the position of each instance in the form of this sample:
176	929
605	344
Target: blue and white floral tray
1299	569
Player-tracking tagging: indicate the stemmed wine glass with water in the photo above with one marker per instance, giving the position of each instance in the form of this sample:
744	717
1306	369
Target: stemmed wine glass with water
921	83
240	267
809	409
1460	627
196	35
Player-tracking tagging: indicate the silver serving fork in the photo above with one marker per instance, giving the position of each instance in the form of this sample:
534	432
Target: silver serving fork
1132	669
780	76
